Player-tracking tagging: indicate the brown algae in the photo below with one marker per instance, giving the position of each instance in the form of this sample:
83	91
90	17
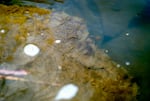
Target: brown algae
16	22
96	74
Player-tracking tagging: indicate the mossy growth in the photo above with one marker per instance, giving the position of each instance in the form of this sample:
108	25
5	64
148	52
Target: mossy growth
18	14
13	21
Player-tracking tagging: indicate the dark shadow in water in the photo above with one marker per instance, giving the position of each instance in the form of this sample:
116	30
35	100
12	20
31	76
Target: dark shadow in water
142	73
106	39
142	17
89	11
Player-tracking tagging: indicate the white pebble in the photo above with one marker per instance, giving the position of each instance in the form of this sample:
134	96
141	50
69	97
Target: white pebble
42	34
59	67
127	63
106	51
127	34
2	31
118	65
31	50
67	92
28	34
57	41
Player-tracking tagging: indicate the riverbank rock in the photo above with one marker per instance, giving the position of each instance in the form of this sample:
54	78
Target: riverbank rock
67	55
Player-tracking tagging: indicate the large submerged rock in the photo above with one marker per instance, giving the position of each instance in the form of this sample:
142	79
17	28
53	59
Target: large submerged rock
67	55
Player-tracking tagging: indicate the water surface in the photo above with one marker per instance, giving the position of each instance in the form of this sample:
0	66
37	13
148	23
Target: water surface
122	28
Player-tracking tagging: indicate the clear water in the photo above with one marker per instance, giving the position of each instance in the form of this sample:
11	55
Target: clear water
122	28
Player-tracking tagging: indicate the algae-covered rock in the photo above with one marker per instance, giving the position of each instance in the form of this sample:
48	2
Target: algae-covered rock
67	55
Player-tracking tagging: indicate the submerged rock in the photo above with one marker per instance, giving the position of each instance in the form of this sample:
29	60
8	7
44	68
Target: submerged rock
74	59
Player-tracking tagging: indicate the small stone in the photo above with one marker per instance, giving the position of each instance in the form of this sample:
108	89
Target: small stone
59	67
42	34
106	51
57	41
31	50
67	92
27	12
118	65
127	34
127	63
2	31
28	34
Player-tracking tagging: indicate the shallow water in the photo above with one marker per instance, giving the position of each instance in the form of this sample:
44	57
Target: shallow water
121	29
